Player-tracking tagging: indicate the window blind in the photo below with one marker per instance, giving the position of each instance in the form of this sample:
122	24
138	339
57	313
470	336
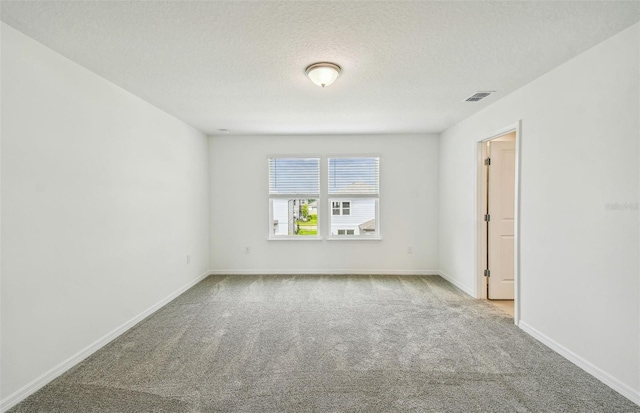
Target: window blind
357	176
294	176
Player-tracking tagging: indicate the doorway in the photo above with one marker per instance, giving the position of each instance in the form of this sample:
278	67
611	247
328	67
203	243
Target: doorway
497	217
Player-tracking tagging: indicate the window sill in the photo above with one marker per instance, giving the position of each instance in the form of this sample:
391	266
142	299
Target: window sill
294	238
352	238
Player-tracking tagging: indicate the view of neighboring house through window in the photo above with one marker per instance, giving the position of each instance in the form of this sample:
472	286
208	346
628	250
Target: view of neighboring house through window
353	188
346	208
335	208
341	208
294	190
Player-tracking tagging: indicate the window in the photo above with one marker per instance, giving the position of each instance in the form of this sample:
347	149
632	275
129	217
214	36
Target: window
340	208
346	208
294	191
352	185
335	208
353	188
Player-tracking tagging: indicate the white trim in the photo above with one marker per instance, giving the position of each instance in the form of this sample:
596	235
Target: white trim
598	373
348	196
456	283
353	238
324	272
479	286
477	290
35	385
296	238
516	226
293	196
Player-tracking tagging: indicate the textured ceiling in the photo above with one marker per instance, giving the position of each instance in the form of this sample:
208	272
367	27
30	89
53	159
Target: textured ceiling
407	66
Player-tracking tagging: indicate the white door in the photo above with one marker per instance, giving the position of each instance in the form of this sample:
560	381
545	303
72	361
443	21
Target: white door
501	210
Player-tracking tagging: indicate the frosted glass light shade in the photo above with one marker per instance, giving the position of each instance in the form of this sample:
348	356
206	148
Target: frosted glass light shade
323	74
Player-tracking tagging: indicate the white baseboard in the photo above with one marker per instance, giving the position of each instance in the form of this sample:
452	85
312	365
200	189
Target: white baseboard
458	284
585	365
323	272
21	394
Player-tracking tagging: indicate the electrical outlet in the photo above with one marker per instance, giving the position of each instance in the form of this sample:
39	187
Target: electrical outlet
410	250
247	250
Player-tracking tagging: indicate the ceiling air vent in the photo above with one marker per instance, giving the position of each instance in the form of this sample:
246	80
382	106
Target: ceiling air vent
479	96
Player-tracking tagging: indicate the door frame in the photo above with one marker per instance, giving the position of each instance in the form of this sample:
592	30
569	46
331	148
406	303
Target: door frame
481	229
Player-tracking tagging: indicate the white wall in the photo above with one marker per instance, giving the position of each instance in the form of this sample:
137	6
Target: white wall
579	257
408	206
103	196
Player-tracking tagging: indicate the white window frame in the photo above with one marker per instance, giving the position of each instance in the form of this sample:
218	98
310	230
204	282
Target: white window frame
348	198
288	196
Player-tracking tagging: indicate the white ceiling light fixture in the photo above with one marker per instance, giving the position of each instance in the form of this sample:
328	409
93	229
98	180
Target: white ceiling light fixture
323	73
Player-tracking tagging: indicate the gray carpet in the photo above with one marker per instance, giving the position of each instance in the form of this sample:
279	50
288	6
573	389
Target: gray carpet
326	344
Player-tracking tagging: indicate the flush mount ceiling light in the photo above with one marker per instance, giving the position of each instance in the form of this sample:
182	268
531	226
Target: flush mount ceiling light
323	73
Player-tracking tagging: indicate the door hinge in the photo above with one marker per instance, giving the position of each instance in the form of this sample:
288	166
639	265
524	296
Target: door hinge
487	161
487	217
487	273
